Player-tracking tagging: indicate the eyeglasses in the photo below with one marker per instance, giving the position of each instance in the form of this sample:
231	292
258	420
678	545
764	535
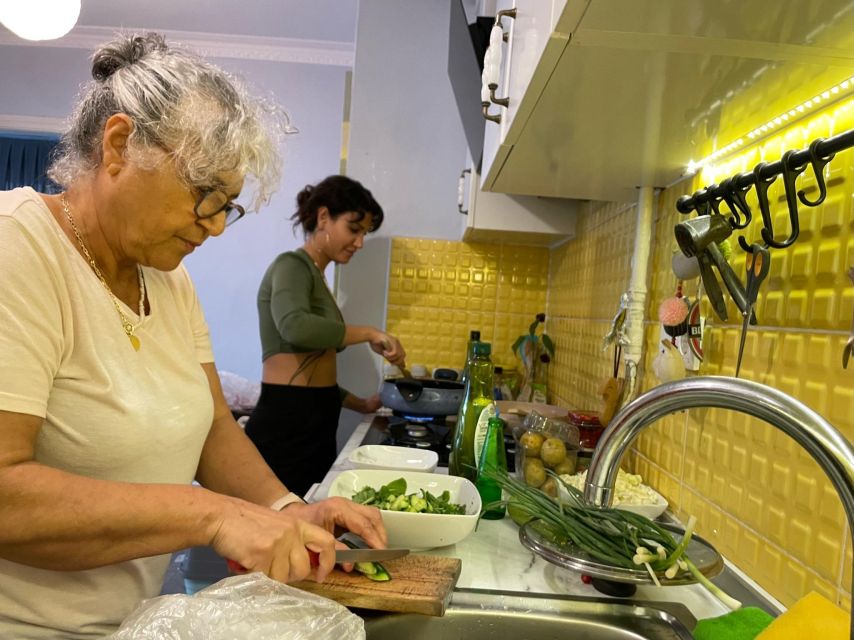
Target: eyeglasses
212	203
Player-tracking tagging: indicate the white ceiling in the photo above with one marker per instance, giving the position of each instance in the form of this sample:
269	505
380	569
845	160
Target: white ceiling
302	31
332	20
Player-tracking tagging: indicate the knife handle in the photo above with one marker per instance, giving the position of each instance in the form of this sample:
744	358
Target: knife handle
236	567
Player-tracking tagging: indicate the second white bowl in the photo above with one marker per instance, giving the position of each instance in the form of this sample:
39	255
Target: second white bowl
381	456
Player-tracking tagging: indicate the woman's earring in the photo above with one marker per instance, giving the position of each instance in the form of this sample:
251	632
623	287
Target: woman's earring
327	237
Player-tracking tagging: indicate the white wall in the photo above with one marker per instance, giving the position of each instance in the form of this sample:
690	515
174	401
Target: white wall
228	269
42	82
407	146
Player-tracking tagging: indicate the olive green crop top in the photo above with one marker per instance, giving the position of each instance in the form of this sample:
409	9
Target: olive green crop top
296	310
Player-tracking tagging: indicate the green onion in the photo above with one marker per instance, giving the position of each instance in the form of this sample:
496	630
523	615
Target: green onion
613	536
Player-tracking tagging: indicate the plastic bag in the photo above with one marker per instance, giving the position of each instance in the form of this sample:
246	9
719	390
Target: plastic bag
246	606
240	393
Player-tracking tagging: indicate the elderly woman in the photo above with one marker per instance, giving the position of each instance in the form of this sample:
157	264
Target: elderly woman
110	405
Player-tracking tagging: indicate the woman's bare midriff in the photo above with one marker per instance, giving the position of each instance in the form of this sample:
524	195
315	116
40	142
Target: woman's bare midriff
284	368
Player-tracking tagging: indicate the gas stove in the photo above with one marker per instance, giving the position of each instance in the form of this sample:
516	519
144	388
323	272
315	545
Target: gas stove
424	432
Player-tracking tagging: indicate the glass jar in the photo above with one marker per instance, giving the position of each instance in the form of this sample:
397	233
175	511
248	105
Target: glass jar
589	427
545	445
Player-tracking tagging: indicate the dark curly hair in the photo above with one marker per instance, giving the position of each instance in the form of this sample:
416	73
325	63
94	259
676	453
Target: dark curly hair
339	194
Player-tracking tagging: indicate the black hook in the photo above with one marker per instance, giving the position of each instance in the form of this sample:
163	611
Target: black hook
818	165
737	203
739	198
790	174
701	202
762	185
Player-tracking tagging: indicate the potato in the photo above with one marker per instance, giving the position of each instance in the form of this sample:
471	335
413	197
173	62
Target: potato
567	467
553	452
532	442
535	472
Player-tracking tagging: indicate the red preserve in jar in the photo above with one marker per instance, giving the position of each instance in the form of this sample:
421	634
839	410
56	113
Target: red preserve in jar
589	427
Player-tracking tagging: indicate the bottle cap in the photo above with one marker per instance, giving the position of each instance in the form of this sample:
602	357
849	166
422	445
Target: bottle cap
474	335
482	349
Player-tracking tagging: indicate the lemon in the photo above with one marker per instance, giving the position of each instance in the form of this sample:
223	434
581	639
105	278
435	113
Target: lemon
516	514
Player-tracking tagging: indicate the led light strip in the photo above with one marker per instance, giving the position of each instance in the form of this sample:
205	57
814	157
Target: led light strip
821	99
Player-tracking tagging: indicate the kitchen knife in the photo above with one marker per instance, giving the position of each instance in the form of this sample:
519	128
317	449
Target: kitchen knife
342	556
368	555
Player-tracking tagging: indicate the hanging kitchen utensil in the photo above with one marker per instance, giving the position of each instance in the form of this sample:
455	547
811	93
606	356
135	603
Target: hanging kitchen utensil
668	365
758	263
846	353
612	389
617	332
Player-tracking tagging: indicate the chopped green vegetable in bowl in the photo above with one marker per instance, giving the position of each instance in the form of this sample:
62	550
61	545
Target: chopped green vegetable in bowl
393	497
419	510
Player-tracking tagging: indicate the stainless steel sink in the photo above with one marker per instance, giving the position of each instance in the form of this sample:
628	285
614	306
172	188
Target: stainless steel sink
476	614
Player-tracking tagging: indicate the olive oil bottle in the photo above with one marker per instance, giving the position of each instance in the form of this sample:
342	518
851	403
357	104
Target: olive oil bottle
476	409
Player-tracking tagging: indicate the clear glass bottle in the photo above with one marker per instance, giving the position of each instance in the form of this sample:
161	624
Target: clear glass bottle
539	390
477	400
493	457
474	338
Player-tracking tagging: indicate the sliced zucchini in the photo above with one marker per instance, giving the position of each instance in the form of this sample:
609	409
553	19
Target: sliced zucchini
373	570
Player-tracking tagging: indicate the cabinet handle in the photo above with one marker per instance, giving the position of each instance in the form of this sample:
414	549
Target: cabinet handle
492	67
461	192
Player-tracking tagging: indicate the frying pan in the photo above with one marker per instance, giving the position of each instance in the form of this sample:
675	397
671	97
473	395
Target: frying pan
422	397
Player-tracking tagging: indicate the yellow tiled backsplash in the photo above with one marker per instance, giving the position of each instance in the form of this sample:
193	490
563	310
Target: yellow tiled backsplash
440	290
759	498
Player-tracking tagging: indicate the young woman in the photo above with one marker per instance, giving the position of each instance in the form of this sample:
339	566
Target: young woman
296	418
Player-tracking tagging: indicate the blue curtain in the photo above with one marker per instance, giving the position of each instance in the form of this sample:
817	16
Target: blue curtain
24	162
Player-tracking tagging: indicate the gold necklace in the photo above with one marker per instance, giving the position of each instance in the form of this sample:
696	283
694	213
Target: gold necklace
127	325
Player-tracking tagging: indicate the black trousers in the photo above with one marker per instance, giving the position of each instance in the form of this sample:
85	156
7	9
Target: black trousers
294	429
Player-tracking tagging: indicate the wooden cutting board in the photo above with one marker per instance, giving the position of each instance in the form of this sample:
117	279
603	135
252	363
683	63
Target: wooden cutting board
419	584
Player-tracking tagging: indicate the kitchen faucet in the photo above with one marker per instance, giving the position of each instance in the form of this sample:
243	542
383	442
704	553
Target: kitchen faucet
833	452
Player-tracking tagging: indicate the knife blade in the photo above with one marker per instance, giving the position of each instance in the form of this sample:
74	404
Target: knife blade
369	555
342	556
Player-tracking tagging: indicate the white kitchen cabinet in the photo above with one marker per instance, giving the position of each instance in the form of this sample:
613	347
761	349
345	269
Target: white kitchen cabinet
624	89
531	41
498	217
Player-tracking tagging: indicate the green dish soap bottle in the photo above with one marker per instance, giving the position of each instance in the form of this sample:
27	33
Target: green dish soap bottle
493	458
476	409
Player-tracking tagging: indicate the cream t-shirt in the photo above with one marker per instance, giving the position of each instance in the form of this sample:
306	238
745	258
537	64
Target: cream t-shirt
109	412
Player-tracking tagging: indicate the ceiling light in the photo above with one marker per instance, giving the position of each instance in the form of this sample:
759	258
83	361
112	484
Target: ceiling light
39	19
800	110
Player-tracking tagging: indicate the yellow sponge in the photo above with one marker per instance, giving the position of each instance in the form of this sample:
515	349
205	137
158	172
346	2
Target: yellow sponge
813	616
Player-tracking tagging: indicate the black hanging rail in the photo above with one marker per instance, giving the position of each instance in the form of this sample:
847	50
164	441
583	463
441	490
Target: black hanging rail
699	237
823	149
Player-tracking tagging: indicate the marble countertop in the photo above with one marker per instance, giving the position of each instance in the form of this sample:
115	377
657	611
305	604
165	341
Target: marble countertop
519	569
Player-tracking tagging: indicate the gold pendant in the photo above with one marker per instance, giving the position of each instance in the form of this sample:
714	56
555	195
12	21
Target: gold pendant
134	342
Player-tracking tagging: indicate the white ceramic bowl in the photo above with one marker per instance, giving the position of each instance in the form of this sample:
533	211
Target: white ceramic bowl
417	530
651	510
380	456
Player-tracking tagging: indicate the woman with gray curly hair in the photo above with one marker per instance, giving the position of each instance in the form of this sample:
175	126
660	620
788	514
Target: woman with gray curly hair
110	404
